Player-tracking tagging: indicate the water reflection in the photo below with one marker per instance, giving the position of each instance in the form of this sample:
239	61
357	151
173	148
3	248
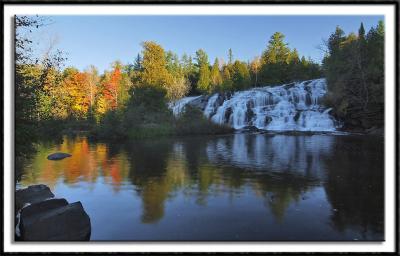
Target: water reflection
289	187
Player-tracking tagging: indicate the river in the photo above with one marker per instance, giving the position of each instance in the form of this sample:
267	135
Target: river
258	187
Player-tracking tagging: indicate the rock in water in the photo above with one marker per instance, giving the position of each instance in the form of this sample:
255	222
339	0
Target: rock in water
58	156
32	194
59	222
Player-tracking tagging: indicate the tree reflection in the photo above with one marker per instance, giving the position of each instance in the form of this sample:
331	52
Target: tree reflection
278	169
354	185
149	173
87	163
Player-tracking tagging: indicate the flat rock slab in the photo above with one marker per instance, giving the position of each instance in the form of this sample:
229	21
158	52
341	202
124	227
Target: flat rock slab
62	223
58	156
32	194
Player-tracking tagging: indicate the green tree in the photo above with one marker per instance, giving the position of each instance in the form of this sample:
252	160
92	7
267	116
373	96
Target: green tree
240	75
154	66
277	50
355	75
216	78
230	56
203	83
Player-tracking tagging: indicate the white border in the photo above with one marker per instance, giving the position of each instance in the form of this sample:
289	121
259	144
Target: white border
387	10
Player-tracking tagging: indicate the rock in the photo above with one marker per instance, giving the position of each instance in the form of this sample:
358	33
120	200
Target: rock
199	102
250	128
32	213
65	223
249	114
227	115
58	156
297	116
289	86
32	194
375	131
268	120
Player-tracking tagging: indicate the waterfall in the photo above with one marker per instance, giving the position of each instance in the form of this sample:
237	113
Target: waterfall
288	107
179	105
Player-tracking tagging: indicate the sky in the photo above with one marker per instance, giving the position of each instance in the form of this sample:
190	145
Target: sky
100	40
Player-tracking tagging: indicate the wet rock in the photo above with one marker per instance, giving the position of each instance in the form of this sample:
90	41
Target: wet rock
199	102
220	100
227	115
308	99
58	156
250	128
268	120
297	116
32	194
66	223
249	115
289	86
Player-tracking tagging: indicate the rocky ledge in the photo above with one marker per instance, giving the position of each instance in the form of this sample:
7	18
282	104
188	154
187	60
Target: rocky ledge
41	217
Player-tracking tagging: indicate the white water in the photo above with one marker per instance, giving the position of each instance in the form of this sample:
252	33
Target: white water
291	107
178	106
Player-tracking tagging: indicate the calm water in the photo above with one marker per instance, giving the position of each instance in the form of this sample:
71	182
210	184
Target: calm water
235	187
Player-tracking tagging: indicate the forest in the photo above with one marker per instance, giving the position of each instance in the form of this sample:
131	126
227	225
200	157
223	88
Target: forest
131	100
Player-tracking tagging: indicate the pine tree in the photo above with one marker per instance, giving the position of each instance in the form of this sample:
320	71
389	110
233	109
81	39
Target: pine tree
216	78
277	50
230	56
203	82
154	66
137	66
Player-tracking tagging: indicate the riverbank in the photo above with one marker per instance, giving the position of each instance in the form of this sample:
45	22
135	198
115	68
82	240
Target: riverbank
41	217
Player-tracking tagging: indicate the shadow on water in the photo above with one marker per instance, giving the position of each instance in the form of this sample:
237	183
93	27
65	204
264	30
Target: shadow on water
219	188
354	185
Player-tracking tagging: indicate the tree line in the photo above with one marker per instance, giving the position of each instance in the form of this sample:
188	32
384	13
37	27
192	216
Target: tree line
354	69
71	93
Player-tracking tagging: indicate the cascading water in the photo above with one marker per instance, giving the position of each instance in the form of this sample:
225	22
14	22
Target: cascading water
178	106
289	107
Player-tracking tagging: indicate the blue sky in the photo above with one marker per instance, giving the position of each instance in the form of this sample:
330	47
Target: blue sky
100	40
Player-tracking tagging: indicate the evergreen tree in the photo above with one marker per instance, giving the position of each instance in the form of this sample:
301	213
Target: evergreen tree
354	71
137	66
154	66
240	76
230	56
203	83
277	50
216	78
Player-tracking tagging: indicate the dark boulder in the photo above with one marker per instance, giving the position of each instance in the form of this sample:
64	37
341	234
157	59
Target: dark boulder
32	194
249	115
58	156
308	99
64	223
227	115
297	116
33	212
250	128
